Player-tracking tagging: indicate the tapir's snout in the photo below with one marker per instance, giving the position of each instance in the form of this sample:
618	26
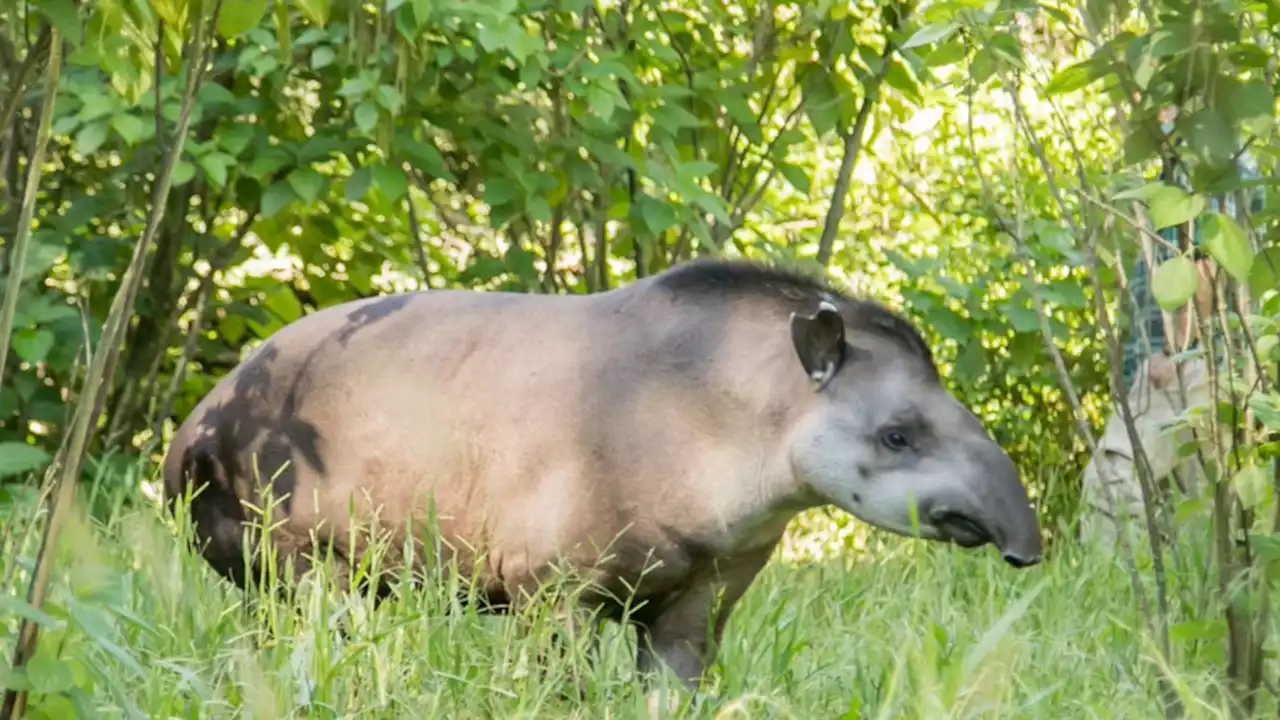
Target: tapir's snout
993	507
1019	561
1012	520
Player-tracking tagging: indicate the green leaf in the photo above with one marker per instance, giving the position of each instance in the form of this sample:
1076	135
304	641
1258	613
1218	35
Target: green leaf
390	99
47	674
307	183
1173	206
1251	484
421	12
658	216
601	102
283	303
276	198
63	15
1253	101
796	177
1174	282
930	34
499	191
366	116
33	345
1264	273
390	181
353	88
821	100
1211	135
15	606
129	127
316	11
1229	245
697	169
672	117
429	159
234	137
1071	78
240	16
91	137
1142	192
358	184
539	209
322	57
735	105
19	458
182	173
215	168
948	53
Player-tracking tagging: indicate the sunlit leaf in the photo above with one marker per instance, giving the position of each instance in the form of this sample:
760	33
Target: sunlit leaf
1174	282
929	34
63	15
91	137
1264	271
316	11
1228	244
240	16
1173	206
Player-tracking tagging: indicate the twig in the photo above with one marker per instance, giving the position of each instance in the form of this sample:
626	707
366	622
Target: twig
415	228
35	171
853	145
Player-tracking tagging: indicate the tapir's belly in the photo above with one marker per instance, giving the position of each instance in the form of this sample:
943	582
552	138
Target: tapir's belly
508	500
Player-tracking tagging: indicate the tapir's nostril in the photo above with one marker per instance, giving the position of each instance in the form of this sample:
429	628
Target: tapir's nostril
1019	561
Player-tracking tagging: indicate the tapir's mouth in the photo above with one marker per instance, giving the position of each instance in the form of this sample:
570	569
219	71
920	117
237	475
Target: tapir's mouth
961	529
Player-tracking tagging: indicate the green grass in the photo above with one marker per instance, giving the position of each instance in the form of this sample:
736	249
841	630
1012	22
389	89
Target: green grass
137	627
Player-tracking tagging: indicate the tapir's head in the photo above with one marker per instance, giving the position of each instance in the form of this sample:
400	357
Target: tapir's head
881	433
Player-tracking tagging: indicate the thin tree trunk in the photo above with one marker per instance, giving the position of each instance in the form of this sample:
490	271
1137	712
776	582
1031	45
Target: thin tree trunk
35	170
852	149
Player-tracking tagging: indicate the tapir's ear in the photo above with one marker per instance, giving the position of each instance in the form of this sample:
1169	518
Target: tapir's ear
819	341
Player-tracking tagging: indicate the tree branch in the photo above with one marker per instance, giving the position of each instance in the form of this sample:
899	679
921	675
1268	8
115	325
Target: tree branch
853	146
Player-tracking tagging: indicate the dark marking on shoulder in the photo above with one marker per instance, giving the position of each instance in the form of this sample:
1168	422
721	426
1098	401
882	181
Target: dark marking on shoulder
794	290
370	313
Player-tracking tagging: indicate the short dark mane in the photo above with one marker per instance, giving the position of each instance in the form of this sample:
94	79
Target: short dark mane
741	278
795	289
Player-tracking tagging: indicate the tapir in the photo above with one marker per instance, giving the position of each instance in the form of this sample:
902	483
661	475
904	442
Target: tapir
657	438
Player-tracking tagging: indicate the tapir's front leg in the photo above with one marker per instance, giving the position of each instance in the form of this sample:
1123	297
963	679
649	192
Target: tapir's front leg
677	635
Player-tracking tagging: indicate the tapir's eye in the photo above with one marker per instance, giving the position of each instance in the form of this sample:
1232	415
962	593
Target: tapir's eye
894	440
